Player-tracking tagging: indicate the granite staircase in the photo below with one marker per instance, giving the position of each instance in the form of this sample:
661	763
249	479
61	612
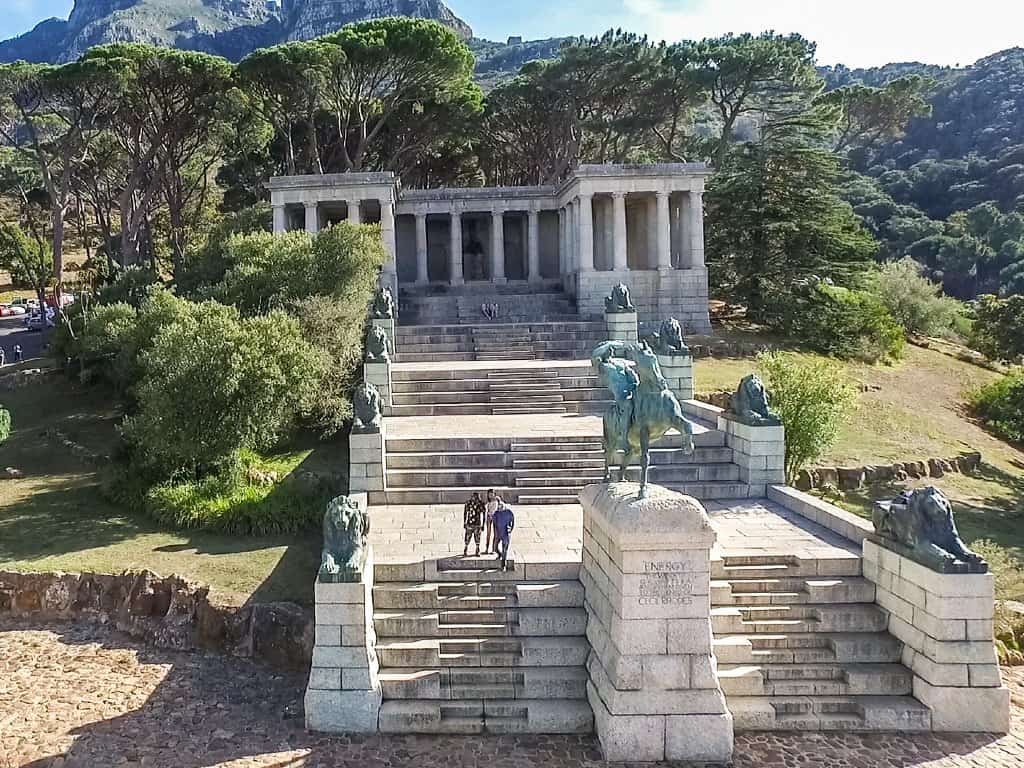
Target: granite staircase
537	338
498	390
472	649
802	646
545	470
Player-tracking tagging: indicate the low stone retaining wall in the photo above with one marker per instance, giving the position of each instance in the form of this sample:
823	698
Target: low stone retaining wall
165	612
852	478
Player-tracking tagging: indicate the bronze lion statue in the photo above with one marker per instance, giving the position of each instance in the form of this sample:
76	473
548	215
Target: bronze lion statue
346	527
366	405
669	339
384	306
750	404
619	300
920	524
377	345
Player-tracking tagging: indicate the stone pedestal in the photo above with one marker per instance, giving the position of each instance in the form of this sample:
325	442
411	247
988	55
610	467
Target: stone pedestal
678	372
621	326
945	623
379	374
388	324
366	462
653	684
344	691
760	453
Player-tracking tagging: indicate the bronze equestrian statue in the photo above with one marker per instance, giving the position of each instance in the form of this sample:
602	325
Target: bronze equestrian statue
645	409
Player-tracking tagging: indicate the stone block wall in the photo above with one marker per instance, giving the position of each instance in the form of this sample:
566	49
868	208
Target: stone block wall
653	683
379	374
657	295
621	326
344	692
945	623
760	453
678	372
366	462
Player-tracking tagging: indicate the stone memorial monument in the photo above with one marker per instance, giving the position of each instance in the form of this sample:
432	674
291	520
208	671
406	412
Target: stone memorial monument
940	599
644	408
344	693
653	683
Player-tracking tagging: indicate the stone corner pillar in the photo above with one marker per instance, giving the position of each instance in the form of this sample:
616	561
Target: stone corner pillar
759	451
378	373
694	231
585	233
422	251
367	469
533	245
344	693
678	372
663	231
653	682
388	235
621	326
945	623
455	250
355	216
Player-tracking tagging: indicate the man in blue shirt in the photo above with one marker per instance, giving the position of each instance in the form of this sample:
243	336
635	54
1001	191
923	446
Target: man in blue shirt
504	522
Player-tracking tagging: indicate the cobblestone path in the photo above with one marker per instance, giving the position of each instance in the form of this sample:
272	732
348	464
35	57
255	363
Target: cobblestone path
75	695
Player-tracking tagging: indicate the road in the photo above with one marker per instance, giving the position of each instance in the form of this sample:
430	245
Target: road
12	331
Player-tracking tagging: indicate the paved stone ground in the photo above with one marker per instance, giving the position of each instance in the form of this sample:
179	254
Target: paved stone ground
76	696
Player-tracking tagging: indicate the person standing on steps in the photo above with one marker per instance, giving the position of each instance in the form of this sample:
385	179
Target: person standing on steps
473	522
504	522
493	503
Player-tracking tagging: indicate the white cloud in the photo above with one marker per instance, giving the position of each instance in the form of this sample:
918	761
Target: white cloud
861	33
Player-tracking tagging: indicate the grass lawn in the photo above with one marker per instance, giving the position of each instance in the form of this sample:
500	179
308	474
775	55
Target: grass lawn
55	518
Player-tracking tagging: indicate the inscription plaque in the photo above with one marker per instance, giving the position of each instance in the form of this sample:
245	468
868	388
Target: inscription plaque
665	583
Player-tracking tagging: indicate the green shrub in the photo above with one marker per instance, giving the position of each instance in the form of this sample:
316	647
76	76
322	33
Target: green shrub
213	384
1001	406
130	286
812	397
246	500
94	338
839	321
998	331
915	301
1009	585
5	424
206	267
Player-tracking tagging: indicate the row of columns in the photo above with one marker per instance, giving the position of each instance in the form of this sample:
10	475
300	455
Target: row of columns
497	247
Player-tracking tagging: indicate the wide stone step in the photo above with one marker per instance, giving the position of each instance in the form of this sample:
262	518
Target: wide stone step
433	459
735	568
708	491
830	713
533	622
478	594
799	619
551	716
514	651
815	679
461	683
788	591
808	648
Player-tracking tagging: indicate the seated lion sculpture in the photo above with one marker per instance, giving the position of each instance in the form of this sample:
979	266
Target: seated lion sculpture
346	527
366	406
377	345
669	339
920	525
619	300
384	306
750	404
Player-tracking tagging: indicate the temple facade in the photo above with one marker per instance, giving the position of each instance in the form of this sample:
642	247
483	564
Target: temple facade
642	225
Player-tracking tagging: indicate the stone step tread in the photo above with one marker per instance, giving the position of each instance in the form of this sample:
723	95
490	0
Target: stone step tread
496	717
498	675
830	713
811	670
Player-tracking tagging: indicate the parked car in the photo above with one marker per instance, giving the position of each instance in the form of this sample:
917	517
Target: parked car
18	309
37	320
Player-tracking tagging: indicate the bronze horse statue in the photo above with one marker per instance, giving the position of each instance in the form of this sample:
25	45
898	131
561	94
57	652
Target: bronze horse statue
645	409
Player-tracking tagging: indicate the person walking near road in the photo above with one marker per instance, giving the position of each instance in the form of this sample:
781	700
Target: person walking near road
493	503
3	357
17	353
472	523
504	523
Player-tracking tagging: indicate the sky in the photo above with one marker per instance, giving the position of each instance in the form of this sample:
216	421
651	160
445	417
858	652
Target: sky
858	33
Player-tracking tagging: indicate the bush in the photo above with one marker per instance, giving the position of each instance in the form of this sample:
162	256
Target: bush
1009	585
247	501
94	338
813	398
1001	406
213	384
5	424
915	301
130	286
840	321
274	271
207	266
998	331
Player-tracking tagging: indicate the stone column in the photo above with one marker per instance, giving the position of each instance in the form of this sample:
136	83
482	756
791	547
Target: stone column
759	451
561	243
455	251
682	244
354	214
653	682
280	219
312	217
664	230
497	246
422	276
945	623
585	230
533	245
344	693
651	261
621	326
573	253
619	241
387	232
694	231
